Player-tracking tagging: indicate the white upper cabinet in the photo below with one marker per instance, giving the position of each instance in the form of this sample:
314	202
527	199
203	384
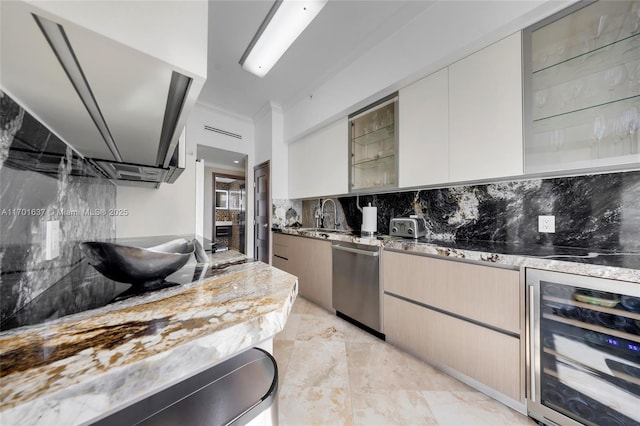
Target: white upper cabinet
485	113
424	131
318	163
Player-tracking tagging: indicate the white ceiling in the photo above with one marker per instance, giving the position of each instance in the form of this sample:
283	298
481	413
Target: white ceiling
221	159
340	33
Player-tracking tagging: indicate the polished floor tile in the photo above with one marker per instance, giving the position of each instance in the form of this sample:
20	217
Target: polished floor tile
333	373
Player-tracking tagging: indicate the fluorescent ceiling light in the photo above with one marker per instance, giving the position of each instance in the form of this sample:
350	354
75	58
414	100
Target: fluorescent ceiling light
57	38
284	23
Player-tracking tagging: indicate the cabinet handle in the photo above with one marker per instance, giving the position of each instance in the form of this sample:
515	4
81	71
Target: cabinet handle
356	251
532	341
280	257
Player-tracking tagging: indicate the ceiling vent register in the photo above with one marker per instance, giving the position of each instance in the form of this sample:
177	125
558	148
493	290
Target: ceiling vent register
222	132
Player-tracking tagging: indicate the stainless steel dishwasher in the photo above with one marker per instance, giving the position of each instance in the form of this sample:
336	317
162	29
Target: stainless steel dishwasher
356	285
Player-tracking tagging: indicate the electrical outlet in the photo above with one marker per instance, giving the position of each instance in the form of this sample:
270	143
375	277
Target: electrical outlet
51	243
547	224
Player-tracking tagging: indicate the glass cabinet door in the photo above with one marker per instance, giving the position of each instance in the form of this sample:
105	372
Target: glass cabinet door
374	147
582	88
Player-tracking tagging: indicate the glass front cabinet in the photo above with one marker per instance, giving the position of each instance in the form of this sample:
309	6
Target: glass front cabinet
373	146
582	88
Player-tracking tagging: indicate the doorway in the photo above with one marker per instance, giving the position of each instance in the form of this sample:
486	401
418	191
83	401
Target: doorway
262	211
229	212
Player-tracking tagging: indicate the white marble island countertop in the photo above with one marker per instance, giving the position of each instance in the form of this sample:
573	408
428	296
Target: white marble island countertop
82	367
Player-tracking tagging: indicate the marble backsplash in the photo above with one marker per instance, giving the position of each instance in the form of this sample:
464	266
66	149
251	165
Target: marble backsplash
591	211
42	179
286	213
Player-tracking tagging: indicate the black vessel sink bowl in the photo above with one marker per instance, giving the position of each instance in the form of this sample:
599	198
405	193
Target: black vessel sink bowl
136	265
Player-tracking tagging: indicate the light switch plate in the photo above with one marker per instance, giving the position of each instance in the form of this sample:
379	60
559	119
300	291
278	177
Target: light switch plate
51	241
547	224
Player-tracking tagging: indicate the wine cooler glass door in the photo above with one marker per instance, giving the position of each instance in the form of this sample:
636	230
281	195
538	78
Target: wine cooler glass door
585	349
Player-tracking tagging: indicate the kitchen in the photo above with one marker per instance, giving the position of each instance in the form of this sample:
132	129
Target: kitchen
488	177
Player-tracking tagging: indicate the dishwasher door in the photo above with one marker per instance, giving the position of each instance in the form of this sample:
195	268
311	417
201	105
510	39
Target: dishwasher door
356	283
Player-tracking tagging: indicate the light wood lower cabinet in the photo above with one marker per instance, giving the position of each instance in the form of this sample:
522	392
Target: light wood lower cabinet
311	261
487	356
486	294
465	317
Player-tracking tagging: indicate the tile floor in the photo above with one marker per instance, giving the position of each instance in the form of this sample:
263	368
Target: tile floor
333	373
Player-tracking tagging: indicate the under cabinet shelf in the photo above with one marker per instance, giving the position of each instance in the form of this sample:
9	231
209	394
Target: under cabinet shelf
582	32
572	139
590	62
374	162
612	311
590	107
593	327
378	135
616	375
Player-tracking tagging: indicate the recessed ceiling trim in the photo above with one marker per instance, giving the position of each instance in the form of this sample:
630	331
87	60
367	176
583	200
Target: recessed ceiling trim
57	38
178	89
222	132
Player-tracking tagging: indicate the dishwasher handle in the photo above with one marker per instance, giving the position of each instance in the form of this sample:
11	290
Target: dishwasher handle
356	251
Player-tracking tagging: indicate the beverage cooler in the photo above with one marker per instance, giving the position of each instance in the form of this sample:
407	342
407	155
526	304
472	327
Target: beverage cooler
584	350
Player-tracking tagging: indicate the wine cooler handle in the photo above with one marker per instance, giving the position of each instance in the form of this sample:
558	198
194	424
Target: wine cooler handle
532	341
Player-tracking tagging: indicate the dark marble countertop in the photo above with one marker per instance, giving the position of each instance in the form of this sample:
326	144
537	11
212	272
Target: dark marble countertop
84	288
569	254
598	263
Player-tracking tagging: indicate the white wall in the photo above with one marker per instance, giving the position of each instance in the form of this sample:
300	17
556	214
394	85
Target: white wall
263	129
208	203
270	146
279	157
171	209
199	220
462	27
224	120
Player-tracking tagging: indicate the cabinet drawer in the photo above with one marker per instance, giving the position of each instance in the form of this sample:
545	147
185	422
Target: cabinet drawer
280	250
280	263
485	294
487	356
280	239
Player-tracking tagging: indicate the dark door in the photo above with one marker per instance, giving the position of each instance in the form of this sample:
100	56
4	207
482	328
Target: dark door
261	211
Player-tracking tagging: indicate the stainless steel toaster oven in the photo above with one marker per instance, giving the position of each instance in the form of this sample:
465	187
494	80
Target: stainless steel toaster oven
407	227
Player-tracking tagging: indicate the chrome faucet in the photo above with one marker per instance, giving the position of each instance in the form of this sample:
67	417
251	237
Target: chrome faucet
335	213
